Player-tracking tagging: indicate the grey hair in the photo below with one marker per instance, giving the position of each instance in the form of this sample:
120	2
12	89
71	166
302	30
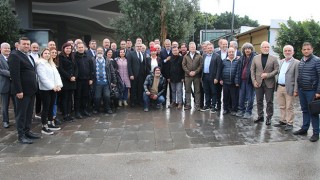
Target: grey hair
167	41
192	43
4	44
247	46
235	44
289	46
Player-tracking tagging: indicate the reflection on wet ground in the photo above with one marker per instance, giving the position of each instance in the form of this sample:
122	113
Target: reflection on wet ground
132	130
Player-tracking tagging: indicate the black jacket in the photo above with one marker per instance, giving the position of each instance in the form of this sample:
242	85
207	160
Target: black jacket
229	73
85	66
309	74
242	65
68	68
161	87
135	66
23	74
176	73
165	65
148	64
214	67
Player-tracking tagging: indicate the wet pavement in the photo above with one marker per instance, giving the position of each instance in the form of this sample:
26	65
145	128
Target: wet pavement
133	130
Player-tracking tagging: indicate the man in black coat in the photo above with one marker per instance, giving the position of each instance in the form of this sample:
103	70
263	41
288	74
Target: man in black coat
84	81
24	87
165	56
137	74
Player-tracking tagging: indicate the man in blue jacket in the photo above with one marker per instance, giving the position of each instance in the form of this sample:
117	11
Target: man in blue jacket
308	89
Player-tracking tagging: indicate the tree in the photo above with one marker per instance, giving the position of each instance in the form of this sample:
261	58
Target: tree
296	33
150	19
222	21
9	26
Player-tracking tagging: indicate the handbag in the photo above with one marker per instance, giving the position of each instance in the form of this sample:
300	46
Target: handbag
115	94
314	107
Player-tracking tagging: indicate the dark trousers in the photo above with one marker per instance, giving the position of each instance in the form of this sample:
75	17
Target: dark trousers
219	92
209	89
5	100
66	101
305	98
24	114
137	90
81	96
246	96
48	99
230	97
146	100
38	102
261	92
102	91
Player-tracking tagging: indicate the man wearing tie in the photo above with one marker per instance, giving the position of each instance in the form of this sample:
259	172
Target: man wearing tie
91	52
24	87
5	83
137	74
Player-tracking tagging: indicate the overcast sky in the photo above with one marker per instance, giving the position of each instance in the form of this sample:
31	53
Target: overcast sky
265	10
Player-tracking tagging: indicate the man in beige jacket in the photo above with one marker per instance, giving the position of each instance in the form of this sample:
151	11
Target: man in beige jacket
264	68
287	87
192	65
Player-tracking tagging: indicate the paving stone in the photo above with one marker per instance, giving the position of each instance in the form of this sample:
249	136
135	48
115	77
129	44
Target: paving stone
146	135
114	132
128	146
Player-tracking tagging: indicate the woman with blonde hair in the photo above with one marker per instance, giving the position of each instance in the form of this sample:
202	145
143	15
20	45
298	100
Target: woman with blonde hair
49	84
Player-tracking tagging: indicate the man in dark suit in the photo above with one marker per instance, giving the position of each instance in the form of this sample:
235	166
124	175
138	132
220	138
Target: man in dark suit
165	56
24	87
210	77
223	52
137	74
91	52
5	83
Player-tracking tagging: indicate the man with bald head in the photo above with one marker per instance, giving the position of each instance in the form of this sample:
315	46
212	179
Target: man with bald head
264	68
106	44
287	87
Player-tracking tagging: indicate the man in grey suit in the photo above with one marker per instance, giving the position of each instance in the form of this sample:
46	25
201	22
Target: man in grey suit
287	87
264	68
5	83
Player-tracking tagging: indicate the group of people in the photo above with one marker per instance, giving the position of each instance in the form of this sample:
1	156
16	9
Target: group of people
95	79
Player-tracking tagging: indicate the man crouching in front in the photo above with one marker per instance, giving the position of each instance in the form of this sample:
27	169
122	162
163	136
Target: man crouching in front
154	87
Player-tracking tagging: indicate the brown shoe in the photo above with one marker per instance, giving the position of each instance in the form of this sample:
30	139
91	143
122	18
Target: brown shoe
179	106
173	104
187	107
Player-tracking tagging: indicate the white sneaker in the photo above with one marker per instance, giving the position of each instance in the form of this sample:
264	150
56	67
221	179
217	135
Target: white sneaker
125	103
46	131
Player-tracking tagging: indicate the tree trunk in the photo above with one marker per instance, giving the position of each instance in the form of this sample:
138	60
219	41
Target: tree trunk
164	29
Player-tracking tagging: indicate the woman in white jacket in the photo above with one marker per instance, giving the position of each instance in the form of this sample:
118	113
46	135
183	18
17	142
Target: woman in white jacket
49	84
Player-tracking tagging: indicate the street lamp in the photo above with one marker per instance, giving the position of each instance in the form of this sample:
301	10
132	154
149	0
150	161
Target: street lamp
232	22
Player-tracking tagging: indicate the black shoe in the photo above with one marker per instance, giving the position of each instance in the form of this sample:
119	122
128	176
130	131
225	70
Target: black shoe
24	140
57	121
218	108
259	119
109	111
233	113
280	124
32	135
314	138
85	113
70	118
205	108
6	125
95	112
300	132
78	115
268	121
225	112
288	127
